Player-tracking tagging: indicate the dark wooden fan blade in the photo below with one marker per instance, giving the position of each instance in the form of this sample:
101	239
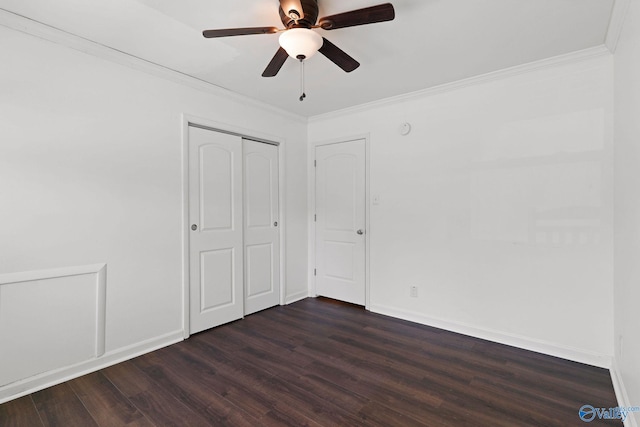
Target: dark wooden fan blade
289	5
276	63
338	56
368	15
228	32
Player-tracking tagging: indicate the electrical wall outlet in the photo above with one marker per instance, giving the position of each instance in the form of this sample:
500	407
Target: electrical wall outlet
413	291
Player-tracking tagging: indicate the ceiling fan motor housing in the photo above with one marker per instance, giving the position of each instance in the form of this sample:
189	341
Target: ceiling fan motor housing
310	9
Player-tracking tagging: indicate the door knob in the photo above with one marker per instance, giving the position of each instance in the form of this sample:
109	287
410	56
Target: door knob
360	232
194	227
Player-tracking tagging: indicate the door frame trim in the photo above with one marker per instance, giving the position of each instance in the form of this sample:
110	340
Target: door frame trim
311	202
187	120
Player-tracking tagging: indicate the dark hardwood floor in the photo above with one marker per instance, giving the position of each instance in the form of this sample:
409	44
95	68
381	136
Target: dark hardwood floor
323	363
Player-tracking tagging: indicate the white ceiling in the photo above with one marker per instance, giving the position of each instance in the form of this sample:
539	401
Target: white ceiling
431	42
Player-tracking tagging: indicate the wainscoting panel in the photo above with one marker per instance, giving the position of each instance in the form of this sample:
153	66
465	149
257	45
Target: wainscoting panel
50	320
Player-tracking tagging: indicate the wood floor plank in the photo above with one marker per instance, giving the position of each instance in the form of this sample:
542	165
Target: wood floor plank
59	406
290	419
193	393
150	398
277	359
105	403
19	412
370	366
257	380
312	406
531	408
419	404
320	362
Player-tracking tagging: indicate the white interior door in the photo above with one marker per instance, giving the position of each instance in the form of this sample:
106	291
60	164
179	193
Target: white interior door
261	236
215	239
340	221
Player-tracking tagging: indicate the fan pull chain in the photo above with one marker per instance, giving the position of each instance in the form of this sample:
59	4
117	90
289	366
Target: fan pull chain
303	95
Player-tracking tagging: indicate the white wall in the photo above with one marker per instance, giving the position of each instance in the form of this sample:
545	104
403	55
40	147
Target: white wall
498	206
627	201
90	173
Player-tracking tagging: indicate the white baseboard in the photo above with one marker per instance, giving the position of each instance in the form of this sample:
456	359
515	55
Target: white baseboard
296	297
564	352
51	378
622	396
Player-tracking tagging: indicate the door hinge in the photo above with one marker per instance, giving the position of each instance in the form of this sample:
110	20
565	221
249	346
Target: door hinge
315	163
314	272
315	218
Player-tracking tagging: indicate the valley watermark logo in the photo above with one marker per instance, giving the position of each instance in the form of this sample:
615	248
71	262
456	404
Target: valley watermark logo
589	413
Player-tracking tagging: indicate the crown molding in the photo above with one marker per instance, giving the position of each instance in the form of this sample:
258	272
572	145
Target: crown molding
38	29
569	58
43	31
618	16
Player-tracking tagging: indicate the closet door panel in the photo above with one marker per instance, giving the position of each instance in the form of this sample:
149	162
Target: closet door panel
261	228
216	226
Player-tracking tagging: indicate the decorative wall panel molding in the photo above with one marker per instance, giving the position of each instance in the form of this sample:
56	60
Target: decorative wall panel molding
50	320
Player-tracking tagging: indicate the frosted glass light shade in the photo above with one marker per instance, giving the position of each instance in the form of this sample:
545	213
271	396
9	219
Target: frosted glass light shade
300	41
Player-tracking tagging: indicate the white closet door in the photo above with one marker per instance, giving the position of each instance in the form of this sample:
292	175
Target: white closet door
340	221
261	236
215	239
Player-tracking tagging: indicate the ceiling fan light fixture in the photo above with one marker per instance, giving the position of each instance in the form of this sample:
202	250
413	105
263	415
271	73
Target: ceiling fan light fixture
301	42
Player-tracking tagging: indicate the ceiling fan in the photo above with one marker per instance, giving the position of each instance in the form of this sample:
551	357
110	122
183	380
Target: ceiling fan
298	39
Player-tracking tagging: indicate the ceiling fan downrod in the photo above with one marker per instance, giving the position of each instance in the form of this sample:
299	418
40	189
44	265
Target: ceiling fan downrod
303	95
